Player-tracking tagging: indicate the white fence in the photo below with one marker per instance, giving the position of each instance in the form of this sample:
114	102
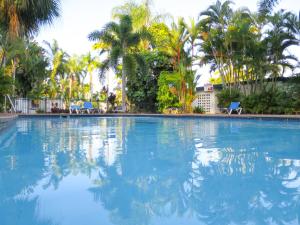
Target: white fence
26	106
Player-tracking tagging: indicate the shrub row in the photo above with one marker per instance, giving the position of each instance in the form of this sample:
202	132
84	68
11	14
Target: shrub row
270	100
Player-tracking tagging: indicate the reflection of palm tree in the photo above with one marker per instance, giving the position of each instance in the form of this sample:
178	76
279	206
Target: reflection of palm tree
160	175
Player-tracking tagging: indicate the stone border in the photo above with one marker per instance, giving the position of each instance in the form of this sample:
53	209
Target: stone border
211	116
6	120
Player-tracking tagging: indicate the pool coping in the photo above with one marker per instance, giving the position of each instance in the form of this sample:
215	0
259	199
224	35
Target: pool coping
216	116
6	120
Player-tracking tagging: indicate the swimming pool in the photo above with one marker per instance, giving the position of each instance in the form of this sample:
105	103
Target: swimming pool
149	171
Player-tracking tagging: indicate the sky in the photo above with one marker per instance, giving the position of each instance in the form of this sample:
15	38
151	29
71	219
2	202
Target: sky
80	17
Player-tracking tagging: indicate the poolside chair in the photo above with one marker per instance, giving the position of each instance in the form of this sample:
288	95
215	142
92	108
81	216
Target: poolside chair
88	107
234	106
74	109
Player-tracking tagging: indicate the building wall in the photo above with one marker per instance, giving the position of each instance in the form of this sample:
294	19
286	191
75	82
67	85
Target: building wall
208	101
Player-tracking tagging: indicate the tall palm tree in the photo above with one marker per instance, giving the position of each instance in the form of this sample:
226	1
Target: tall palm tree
193	30
24	17
119	41
75	75
279	38
141	14
177	38
142	18
218	15
91	63
58	66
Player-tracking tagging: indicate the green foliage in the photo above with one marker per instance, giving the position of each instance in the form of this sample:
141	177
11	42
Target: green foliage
24	17
294	91
160	33
244	47
198	110
165	97
226	96
6	84
31	70
269	101
143	87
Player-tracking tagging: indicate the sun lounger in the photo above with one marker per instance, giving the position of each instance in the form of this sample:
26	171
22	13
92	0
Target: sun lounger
234	106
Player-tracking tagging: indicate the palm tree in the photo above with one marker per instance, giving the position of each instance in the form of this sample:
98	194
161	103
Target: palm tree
193	30
119	42
142	18
177	38
215	20
141	14
58	66
24	17
75	75
218	15
278	40
91	63
293	24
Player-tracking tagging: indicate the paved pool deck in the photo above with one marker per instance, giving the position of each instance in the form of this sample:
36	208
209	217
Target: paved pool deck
234	116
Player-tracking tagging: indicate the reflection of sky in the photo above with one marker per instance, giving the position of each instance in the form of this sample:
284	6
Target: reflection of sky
71	203
150	171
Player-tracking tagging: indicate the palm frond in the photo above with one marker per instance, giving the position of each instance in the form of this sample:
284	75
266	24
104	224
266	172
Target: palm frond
114	55
266	6
103	68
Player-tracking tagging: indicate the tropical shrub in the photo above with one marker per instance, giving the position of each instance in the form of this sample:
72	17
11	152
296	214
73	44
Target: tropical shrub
199	110
294	91
270	100
142	87
226	96
165	96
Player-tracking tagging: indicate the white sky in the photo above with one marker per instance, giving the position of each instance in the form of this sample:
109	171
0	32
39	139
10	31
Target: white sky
80	17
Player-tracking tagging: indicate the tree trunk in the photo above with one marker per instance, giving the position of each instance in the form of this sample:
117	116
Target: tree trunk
91	85
70	87
14	65
123	89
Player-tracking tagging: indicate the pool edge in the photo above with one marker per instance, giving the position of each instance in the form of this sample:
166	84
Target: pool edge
214	116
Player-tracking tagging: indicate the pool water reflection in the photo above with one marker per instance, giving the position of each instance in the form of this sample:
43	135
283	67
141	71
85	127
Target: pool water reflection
148	171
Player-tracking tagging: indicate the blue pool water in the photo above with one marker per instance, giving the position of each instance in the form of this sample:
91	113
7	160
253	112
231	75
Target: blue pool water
149	171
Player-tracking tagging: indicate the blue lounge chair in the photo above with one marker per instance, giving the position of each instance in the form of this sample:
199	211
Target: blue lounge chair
74	108
88	107
234	106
